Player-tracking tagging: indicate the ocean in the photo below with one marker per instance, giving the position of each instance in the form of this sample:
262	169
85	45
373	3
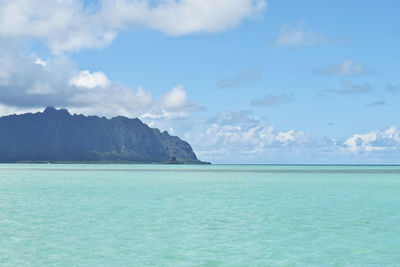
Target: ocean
218	215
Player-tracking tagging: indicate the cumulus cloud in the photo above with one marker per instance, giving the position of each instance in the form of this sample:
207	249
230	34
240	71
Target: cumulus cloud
297	36
175	99
111	101
272	100
239	135
39	61
241	79
379	140
25	85
63	25
190	16
172	105
348	67
231	132
72	25
89	80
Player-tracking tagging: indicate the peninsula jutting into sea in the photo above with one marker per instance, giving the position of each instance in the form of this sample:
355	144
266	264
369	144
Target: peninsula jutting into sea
55	135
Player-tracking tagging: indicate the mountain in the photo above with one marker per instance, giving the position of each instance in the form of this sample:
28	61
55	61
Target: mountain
57	136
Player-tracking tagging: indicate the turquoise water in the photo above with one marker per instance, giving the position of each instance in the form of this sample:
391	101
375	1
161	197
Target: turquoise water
158	215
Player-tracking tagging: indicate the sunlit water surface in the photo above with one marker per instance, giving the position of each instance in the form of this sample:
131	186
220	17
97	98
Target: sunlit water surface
161	215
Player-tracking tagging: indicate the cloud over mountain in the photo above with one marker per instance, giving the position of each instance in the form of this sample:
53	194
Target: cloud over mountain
28	85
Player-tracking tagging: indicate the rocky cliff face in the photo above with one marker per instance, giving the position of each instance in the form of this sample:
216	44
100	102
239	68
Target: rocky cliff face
57	136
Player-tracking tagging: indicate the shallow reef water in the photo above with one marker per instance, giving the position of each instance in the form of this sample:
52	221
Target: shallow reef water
218	215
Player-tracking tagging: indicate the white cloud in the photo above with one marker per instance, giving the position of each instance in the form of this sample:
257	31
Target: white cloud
39	88
297	36
379	140
158	114
89	80
71	25
172	105
176	98
252	139
39	61
348	67
63	25
244	134
190	16
26	85
111	101
115	99
7	110
286	137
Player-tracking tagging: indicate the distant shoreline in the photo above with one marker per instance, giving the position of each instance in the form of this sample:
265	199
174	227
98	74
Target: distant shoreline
105	163
198	164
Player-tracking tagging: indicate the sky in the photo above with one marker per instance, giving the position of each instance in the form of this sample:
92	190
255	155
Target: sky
243	81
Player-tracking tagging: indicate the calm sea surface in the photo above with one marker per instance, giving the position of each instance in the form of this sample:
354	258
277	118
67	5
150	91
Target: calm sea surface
162	215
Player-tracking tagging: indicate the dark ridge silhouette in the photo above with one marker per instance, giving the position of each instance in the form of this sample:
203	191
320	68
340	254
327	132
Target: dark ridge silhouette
57	136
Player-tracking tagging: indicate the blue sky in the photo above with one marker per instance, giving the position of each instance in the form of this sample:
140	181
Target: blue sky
243	81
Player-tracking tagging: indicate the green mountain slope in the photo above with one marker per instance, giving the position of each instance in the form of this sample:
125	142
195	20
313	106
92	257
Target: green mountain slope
57	136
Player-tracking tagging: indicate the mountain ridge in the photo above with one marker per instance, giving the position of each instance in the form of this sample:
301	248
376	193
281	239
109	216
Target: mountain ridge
55	135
